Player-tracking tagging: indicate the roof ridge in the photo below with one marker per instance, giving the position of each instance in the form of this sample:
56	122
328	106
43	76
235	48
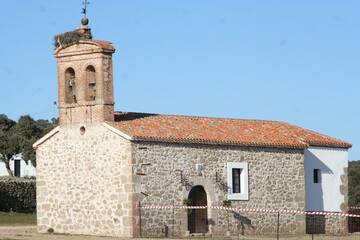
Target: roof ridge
206	117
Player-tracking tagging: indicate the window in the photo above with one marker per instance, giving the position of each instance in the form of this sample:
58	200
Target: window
237	174
317	175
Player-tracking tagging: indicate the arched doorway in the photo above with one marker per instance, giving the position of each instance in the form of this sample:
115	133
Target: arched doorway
197	218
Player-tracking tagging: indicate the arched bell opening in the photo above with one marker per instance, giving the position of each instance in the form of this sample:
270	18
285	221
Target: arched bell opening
90	76
70	86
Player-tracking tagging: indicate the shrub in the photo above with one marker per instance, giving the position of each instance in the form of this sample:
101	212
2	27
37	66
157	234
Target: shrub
17	195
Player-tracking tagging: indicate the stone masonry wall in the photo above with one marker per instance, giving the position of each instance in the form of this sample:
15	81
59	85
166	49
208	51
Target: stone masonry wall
276	181
84	183
340	224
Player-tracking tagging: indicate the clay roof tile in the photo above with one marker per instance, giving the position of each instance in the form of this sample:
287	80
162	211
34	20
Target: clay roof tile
160	127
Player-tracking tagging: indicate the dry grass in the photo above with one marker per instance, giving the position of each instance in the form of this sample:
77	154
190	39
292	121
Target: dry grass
17	219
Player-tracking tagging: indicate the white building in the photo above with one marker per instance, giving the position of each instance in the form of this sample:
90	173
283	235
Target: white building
325	174
19	168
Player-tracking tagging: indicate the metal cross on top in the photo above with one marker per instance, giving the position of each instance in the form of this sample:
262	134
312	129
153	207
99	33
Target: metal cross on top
84	10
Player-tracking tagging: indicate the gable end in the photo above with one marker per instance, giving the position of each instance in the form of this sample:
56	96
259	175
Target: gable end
46	137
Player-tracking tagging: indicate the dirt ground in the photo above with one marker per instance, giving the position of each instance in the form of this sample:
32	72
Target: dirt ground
29	233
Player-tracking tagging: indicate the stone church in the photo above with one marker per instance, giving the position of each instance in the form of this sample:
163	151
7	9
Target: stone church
99	165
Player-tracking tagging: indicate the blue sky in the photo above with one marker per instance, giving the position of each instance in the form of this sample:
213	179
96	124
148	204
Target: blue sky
291	61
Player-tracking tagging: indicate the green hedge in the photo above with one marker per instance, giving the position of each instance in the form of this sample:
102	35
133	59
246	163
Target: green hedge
17	195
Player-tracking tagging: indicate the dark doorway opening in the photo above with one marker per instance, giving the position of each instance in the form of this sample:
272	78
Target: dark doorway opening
353	224
17	169
197	218
315	224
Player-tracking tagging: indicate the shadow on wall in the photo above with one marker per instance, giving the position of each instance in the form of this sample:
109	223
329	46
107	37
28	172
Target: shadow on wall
243	223
317	163
315	198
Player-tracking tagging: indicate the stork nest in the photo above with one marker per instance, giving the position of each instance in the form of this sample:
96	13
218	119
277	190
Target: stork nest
68	38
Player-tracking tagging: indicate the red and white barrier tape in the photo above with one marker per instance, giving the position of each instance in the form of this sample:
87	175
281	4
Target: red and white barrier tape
251	210
170	207
353	207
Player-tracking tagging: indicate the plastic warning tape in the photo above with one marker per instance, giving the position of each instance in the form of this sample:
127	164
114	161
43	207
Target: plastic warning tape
353	207
251	210
170	207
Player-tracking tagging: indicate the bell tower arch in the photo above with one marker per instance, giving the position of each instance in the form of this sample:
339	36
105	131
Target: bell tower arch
85	78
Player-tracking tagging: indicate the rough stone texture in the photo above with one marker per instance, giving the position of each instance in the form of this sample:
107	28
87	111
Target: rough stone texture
344	190
276	181
84	183
336	224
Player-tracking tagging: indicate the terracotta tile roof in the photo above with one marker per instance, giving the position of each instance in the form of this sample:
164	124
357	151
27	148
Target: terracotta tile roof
158	127
104	44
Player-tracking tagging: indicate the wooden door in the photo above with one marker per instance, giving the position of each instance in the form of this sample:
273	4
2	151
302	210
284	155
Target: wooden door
197	218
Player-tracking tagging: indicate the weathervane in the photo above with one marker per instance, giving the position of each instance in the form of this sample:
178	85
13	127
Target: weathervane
85	20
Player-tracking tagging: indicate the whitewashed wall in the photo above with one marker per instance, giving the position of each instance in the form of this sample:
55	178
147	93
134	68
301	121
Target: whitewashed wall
26	170
325	195
3	171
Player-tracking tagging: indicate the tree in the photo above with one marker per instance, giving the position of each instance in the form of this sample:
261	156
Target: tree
5	123
16	138
26	132
46	126
354	184
8	145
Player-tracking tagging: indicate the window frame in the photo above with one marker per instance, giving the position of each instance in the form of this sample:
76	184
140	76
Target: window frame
244	180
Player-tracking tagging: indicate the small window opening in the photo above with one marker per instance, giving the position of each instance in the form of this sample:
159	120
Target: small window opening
91	83
70	86
317	173
236	182
82	130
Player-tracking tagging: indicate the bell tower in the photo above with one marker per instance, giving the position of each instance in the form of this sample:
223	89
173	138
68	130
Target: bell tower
85	77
